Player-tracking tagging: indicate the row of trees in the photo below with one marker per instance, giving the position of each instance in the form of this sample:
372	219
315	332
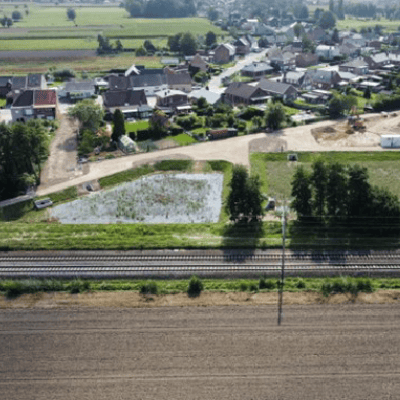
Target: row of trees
160	8
23	149
335	193
184	43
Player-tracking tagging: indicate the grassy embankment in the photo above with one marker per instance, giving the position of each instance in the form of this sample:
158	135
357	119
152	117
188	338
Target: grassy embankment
326	286
32	230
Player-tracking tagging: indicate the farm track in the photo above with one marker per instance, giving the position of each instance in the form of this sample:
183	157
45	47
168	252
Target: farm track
169	263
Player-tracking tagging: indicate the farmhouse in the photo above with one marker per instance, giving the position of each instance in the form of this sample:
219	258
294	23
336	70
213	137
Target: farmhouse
33	104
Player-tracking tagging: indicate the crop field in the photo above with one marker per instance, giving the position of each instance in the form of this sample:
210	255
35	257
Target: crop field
47	28
276	172
167	198
346	351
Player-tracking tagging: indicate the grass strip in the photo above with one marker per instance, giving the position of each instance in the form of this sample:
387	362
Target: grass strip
325	285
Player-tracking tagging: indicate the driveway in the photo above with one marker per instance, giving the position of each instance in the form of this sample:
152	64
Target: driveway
61	165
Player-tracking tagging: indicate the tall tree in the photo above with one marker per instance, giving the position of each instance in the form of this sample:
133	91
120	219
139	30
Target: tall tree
336	191
319	179
327	20
335	36
244	202
340	11
331	6
275	115
119	125
71	14
211	38
188	44
301	191
89	114
359	192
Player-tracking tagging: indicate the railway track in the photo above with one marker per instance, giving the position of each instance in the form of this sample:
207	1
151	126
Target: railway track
169	263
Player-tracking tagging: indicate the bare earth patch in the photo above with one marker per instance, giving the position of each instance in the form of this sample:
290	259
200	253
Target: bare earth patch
206	299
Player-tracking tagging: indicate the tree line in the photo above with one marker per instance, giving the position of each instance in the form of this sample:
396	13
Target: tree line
160	8
333	193
23	149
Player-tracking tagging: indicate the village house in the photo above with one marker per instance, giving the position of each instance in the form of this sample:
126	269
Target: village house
327	52
320	79
21	83
130	102
282	61
281	90
5	85
32	104
210	96
294	78
242	46
181	81
256	70
304	60
173	99
377	61
224	54
198	64
242	93
357	67
78	90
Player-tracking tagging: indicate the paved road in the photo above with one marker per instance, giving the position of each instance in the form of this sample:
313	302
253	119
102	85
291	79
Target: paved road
216	81
184	353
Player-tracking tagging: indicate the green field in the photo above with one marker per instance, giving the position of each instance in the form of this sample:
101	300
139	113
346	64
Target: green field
136	126
47	28
354	23
276	172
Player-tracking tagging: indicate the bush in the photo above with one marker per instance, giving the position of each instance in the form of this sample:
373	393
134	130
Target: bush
243	286
63	74
300	284
253	287
150	287
195	286
266	284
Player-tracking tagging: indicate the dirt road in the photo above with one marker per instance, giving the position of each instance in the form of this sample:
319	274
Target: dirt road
61	165
235	353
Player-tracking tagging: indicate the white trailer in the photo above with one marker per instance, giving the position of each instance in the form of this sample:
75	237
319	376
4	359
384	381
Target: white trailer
390	141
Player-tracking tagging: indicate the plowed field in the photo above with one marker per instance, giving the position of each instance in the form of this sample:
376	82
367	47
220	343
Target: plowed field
320	352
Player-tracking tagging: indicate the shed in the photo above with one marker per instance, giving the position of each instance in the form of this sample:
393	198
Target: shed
390	141
126	144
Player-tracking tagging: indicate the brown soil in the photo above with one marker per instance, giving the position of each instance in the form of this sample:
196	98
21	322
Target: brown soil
346	351
136	300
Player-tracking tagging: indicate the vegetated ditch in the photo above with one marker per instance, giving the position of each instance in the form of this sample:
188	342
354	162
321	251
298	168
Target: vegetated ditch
195	292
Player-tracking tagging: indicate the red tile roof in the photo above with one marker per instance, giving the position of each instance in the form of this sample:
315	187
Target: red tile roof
45	98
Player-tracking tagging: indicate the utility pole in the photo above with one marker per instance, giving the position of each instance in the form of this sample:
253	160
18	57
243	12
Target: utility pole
280	290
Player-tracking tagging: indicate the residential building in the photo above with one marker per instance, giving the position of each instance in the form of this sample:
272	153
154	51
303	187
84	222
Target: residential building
78	90
224	53
304	60
294	78
32	104
211	97
132	103
5	85
377	61
357	67
257	70
180	81
175	99
320	79
198	63
242	93
327	52
242	46
284	91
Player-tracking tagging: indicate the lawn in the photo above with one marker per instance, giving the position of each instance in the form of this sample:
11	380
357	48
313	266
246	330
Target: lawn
136	126
3	102
354	23
183	139
276	172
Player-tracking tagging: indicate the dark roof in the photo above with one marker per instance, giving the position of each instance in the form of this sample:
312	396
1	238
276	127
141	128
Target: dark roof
241	89
179	79
151	71
34	81
117	82
5	80
274	87
147	80
19	82
45	98
122	98
25	99
319	75
79	86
